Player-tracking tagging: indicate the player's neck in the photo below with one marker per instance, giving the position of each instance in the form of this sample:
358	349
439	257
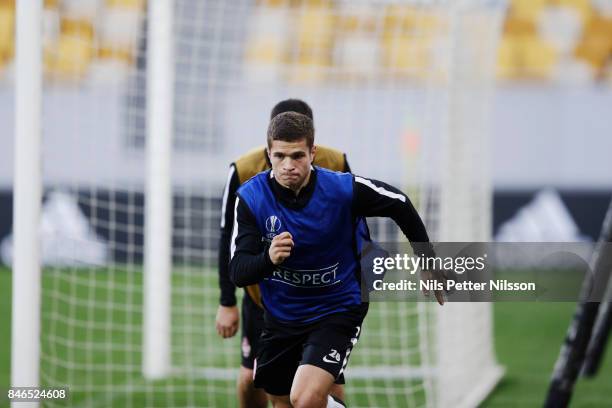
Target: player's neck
296	190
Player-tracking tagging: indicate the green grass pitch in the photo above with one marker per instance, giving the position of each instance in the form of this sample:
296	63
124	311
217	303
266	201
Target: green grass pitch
527	340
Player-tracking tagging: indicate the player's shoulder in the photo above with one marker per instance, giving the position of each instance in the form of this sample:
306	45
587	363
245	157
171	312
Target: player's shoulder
251	163
326	172
330	158
255	182
337	180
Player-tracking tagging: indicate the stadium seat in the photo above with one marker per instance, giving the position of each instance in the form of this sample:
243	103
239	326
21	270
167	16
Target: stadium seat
128	4
267	41
274	3
527	9
355	20
539	59
265	49
596	44
315	27
7	26
314	43
407	55
69	57
80	28
519	26
118	33
508	57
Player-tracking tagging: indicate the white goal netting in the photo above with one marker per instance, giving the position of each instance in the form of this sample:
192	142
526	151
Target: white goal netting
401	86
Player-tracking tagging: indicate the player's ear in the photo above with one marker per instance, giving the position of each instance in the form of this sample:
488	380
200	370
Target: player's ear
313	152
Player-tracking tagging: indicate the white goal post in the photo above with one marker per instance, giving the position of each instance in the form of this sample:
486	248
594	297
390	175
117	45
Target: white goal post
25	334
143	106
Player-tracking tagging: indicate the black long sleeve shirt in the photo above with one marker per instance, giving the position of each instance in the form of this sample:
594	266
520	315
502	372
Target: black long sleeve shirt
250	262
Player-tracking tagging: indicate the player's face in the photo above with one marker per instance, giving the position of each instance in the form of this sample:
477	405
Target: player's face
291	162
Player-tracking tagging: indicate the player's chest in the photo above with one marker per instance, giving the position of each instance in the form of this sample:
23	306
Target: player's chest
318	224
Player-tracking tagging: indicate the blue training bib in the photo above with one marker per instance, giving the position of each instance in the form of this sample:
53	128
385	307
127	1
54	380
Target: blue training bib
320	276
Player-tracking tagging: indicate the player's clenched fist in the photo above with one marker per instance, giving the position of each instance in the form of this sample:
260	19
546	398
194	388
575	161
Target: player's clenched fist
280	248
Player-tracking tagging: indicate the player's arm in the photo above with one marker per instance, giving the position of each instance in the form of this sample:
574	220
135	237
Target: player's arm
228	317
228	289
251	261
373	198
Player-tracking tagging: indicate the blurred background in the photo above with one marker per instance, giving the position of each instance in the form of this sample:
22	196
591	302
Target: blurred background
499	110
550	121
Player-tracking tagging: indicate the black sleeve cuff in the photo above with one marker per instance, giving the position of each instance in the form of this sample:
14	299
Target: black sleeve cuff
228	302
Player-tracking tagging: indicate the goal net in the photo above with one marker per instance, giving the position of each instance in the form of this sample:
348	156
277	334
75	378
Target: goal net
401	86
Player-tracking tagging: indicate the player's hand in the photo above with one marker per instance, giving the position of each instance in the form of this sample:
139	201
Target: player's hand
280	248
227	321
431	275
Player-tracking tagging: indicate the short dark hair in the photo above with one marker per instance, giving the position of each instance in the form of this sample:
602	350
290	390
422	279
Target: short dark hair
291	127
292	105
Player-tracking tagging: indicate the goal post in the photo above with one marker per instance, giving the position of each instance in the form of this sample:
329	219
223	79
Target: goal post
158	196
26	293
137	142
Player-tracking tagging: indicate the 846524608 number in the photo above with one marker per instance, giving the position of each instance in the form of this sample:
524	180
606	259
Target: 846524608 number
23	394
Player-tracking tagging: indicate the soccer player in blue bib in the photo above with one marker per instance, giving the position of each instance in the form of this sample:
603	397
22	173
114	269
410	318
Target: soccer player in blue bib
295	235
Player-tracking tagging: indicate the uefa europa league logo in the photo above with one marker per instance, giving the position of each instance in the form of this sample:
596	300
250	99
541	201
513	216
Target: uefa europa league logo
273	226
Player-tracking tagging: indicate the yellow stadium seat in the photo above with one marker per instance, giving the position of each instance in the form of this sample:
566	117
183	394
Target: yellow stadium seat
268	37
393	17
131	4
519	26
527	9
539	58
7	36
412	20
596	44
596	52
407	55
357	19
599	26
508	57
317	3
315	28
428	22
115	53
80	28
274	3
265	49
69	58
310	58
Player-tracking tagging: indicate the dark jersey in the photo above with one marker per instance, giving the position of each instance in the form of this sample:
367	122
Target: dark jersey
240	171
322	219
